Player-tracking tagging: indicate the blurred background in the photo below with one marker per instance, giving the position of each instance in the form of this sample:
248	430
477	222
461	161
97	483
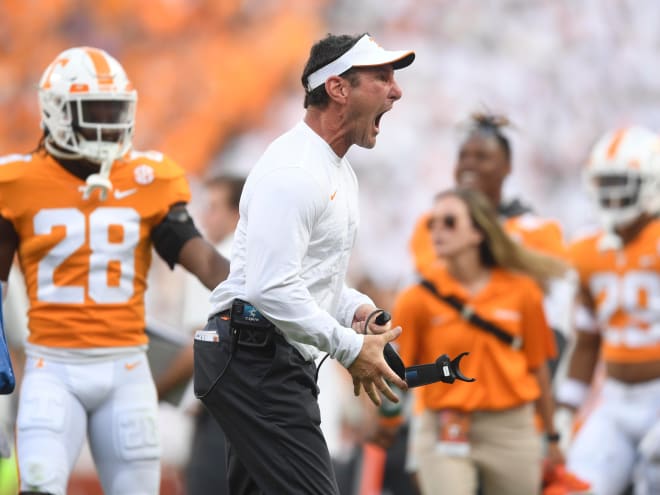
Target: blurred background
217	80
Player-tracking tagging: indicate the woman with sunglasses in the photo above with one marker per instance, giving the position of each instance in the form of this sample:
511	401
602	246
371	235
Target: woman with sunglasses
482	433
483	163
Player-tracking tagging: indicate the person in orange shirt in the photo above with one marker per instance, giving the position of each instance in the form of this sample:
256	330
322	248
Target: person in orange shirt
484	162
617	320
83	212
480	433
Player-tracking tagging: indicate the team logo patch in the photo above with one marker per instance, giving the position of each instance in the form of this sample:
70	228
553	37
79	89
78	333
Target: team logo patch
143	174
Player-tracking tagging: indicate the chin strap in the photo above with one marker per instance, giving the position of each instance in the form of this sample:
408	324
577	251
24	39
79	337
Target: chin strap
444	369
100	181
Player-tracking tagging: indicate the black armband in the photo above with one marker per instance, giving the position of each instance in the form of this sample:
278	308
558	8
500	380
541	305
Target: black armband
553	437
172	233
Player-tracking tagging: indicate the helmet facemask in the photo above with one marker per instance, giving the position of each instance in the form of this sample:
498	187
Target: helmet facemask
103	128
91	127
618	197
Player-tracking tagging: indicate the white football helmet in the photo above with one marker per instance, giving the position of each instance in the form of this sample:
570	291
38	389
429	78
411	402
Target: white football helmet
623	175
88	105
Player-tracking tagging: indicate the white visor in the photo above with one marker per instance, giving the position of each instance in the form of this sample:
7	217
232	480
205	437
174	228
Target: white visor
365	53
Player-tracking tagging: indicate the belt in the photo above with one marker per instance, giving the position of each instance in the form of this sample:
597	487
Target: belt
253	337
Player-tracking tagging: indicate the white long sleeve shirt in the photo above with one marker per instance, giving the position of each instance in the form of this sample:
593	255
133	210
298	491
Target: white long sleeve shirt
297	226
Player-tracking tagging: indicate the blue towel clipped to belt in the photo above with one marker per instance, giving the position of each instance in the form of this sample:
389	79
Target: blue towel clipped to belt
7	378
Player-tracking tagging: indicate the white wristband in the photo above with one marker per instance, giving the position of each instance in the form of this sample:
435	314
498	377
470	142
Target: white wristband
572	392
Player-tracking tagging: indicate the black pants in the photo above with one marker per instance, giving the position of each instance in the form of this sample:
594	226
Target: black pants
206	471
266	403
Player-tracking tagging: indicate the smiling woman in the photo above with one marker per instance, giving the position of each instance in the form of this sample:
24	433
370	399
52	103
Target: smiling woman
483	164
484	158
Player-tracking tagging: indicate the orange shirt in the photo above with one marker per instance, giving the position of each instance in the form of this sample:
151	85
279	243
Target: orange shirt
532	231
537	233
85	262
624	286
504	375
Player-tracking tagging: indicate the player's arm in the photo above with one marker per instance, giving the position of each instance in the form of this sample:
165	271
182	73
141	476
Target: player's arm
177	240
8	245
573	390
203	260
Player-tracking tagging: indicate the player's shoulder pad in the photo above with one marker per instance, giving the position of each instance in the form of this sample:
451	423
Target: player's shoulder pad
585	235
162	166
584	240
14	166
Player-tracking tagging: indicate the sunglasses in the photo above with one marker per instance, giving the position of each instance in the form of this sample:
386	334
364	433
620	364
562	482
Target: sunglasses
446	221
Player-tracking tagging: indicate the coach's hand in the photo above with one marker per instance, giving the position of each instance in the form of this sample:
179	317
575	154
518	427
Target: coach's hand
369	370
370	312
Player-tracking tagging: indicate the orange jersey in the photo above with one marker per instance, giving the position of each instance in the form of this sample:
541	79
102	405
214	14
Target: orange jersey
624	287
532	231
85	262
504	375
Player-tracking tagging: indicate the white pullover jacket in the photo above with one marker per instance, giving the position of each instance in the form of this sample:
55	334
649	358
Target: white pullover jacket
298	222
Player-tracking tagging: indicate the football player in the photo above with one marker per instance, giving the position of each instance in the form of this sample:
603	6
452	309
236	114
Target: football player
617	318
83	212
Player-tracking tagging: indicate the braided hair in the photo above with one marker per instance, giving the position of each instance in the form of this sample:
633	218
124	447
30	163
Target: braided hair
491	124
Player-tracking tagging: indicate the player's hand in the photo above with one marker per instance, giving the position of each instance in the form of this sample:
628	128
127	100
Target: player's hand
370	371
